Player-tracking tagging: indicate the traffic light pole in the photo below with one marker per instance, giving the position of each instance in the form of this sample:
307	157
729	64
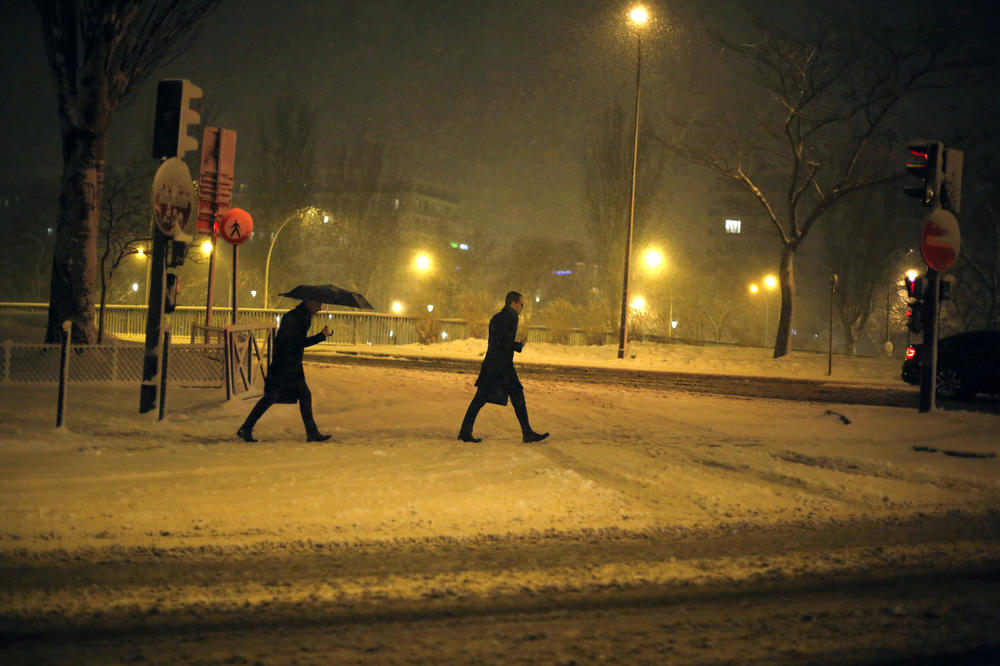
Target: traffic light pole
149	391
928	362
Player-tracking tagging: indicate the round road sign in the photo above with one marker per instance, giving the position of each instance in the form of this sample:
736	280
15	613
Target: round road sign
940	240
236	226
174	202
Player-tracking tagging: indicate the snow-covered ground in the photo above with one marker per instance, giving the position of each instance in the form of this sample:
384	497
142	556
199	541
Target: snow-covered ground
620	464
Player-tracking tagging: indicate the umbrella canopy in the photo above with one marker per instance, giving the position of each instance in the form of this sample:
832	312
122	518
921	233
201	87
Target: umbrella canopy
329	294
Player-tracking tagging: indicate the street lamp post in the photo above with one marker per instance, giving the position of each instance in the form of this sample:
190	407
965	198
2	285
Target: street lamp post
639	17
267	264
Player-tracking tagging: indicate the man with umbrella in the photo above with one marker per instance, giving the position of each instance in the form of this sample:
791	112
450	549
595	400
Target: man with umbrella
497	377
286	380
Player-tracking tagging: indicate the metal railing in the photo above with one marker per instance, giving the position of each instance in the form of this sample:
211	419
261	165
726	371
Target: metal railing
350	327
190	364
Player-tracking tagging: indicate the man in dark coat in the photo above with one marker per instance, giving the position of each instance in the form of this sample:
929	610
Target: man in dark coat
286	380
497	378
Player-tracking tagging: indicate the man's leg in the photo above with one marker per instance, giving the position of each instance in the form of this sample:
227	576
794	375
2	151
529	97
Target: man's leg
246	430
465	434
521	410
306	410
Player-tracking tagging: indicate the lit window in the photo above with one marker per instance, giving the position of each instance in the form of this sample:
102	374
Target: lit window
733	226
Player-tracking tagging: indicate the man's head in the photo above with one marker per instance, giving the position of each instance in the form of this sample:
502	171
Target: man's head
313	306
514	301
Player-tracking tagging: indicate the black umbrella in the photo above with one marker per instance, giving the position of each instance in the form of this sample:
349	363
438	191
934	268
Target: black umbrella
329	294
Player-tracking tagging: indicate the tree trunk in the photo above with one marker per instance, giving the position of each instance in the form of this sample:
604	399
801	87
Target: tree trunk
786	278
74	260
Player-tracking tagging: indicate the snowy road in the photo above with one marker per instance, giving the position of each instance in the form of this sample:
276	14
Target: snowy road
653	527
782	388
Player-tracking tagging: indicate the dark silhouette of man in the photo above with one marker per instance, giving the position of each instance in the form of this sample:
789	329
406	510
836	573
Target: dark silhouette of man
286	380
497	378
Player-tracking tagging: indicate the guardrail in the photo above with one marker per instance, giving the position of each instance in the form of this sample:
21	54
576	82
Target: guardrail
350	327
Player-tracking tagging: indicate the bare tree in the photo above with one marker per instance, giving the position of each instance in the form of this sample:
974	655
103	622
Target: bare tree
126	225
99	54
864	243
364	183
607	188
828	95
26	253
286	156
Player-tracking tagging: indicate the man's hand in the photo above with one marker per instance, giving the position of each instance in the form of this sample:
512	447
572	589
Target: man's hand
327	332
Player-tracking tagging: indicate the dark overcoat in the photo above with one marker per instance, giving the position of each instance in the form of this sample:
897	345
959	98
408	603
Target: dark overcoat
497	377
286	380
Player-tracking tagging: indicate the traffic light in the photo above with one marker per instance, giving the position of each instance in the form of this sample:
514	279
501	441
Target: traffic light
915	287
173	117
944	288
178	252
926	163
951	187
170	302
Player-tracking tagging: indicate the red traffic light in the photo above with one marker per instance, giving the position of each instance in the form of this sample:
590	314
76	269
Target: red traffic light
927	166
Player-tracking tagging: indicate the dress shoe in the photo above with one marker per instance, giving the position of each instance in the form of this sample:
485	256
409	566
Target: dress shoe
246	435
466	437
318	437
535	437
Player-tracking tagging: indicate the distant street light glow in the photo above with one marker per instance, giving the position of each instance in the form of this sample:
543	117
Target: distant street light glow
770	282
653	258
422	262
638	303
639	15
206	247
396	307
754	288
135	286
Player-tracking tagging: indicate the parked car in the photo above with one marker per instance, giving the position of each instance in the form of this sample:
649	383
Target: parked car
967	364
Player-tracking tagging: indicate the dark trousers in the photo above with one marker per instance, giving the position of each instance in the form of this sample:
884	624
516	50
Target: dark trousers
516	399
268	399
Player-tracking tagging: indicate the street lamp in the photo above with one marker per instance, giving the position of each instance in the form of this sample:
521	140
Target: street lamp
653	259
770	282
297	215
423	263
639	16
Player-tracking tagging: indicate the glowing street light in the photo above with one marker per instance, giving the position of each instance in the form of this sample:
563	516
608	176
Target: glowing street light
396	307
422	263
639	304
639	17
206	248
653	258
770	282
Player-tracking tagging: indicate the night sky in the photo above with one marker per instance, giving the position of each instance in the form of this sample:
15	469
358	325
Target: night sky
495	100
